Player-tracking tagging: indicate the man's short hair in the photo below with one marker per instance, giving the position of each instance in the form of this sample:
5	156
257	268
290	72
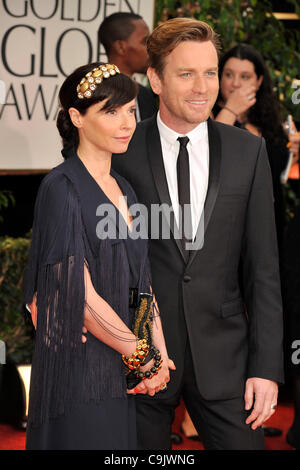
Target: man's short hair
171	33
118	26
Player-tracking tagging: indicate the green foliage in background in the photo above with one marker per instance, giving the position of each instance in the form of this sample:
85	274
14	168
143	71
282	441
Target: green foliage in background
6	198
251	22
16	333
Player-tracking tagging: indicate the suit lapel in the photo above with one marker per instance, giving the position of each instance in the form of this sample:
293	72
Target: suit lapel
213	180
159	176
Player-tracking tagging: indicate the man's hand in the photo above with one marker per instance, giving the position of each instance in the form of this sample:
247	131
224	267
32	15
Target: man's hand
265	401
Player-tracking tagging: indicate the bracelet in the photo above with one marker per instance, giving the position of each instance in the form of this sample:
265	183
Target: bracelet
149	374
150	355
138	357
230	110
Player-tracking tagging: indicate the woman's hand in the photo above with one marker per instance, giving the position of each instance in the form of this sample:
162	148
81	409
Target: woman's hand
84	332
241	100
33	311
158	382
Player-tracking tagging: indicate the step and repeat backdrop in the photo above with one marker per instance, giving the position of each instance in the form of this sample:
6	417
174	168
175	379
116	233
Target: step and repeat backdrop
41	43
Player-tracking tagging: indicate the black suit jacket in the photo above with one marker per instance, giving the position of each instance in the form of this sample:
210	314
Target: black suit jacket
226	299
147	102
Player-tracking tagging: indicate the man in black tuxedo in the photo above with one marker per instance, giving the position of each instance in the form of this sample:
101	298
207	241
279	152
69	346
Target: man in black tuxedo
124	36
220	303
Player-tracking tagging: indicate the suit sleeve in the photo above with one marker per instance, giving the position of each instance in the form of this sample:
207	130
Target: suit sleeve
261	279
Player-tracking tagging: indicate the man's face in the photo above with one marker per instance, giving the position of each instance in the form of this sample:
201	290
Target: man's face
136	56
189	86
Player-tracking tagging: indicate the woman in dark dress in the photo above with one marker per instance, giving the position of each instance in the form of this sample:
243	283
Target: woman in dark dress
83	267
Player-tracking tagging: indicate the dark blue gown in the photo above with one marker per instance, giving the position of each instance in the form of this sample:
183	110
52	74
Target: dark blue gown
108	424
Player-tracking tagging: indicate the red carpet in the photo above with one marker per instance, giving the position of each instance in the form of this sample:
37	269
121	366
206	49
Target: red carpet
12	439
282	419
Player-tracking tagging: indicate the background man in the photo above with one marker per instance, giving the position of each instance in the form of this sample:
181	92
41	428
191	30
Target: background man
220	305
124	37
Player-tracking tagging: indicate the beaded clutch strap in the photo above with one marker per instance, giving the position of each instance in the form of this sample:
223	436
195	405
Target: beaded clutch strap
142	328
142	325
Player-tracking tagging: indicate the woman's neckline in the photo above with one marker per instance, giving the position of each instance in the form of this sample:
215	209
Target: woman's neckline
115	176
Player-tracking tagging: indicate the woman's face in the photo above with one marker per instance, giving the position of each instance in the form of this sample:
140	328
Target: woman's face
106	130
236	74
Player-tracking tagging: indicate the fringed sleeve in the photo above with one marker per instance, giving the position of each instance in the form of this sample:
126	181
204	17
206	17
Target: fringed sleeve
65	369
55	274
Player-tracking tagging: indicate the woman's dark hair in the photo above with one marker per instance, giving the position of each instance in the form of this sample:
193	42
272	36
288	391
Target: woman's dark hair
119	89
265	113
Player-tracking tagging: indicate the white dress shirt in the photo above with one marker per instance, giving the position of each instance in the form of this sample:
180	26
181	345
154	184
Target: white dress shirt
137	112
198	149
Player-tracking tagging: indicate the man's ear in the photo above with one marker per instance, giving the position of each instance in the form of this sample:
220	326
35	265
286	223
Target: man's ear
154	80
120	47
75	117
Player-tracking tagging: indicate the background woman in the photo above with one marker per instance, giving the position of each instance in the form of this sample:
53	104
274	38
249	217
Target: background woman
83	265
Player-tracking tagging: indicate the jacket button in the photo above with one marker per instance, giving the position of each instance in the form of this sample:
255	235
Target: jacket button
187	278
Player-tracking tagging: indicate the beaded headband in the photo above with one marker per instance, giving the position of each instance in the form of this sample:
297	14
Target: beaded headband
89	83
